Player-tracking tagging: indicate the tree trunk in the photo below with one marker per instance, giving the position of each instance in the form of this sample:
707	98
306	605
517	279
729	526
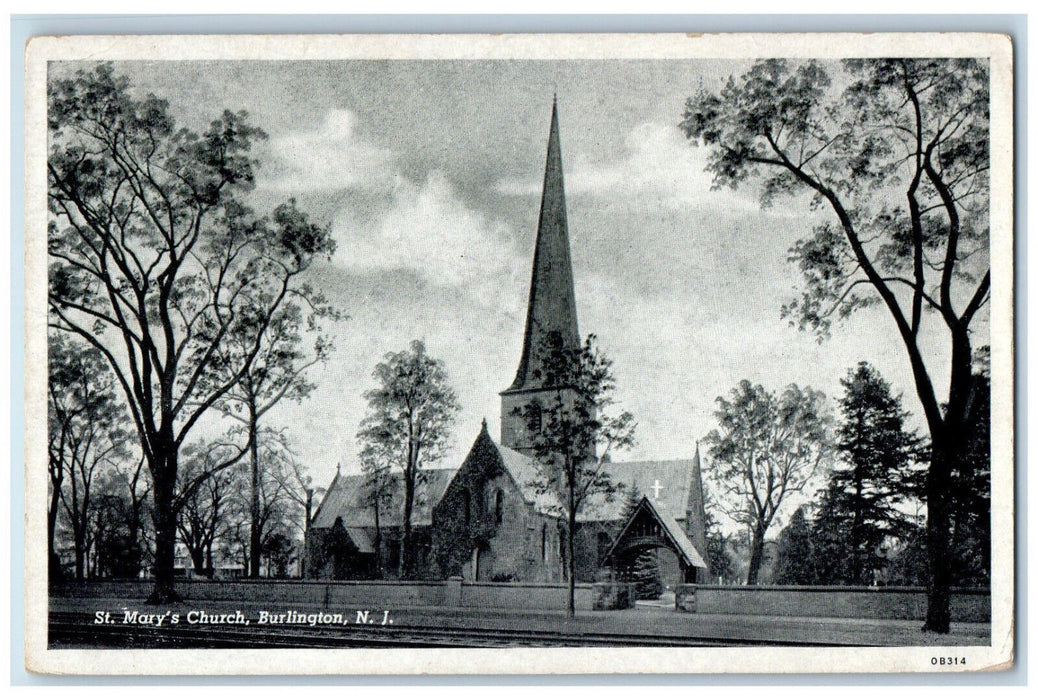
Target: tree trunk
378	543
756	556
80	546
165	519
406	559
949	440
938	533
255	535
571	517
571	606
52	519
198	559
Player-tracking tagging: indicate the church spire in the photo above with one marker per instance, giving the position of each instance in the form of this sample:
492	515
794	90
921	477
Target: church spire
552	306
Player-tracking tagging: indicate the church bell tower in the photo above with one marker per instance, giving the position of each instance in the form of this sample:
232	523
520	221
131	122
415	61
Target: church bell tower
552	310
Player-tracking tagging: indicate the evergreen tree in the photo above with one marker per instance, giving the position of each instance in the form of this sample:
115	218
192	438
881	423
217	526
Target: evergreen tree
646	575
859	509
644	570
830	538
795	560
632	498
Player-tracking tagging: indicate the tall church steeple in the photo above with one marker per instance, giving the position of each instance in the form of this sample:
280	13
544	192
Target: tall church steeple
552	309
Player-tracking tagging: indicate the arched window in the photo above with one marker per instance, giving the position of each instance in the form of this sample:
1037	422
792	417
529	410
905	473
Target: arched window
499	506
544	542
536	417
466	507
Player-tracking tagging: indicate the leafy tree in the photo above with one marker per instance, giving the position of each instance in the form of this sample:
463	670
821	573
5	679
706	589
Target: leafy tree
767	448
875	476
117	532
157	263
84	435
202	519
896	150
278	371
410	413
119	539
717	542
573	434
379	483
279	549
796	556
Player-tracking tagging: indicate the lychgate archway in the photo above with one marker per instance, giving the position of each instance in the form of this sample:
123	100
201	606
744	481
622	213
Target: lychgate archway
649	529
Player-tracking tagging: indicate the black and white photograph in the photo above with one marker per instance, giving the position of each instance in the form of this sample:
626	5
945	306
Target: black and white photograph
520	354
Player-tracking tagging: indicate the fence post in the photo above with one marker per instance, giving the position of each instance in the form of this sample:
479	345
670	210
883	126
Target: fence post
685	597
452	592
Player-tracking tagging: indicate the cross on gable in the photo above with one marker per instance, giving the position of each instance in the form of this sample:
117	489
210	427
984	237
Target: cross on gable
656	489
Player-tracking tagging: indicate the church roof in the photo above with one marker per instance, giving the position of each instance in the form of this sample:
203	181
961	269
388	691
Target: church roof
552	306
525	472
347	499
678	480
361	540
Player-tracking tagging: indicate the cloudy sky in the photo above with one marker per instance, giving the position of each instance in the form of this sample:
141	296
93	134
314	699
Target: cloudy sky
429	173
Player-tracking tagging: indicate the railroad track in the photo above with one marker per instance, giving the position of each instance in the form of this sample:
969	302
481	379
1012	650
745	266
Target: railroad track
72	631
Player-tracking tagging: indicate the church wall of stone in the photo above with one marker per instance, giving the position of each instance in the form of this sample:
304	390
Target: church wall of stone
522	546
514	429
592	538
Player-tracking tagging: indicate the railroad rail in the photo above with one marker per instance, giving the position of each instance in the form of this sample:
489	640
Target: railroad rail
72	631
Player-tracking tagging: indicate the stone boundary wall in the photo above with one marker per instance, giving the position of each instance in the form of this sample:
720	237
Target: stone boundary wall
884	603
370	594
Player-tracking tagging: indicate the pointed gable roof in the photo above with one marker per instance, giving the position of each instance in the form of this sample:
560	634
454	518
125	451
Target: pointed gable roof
552	306
671	530
522	470
695	511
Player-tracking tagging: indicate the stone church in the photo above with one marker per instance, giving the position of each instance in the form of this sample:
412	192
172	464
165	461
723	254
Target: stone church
487	520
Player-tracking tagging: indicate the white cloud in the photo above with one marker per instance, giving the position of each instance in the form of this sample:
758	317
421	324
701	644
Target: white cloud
428	230
658	167
331	157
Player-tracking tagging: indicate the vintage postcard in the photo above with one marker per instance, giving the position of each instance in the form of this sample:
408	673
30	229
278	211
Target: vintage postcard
519	354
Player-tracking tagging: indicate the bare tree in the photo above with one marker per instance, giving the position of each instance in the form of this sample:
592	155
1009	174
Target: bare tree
205	493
